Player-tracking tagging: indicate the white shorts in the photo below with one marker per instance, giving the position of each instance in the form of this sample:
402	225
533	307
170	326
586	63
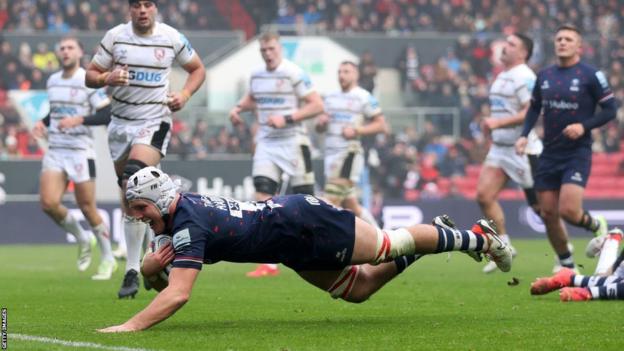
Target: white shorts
121	136
345	164
292	157
517	167
78	165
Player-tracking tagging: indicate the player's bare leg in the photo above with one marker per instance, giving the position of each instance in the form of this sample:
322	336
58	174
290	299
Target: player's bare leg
491	181
134	230
51	189
571	209
370	268
555	228
85	197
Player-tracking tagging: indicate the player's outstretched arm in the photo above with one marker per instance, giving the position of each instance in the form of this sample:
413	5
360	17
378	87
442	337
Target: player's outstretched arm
165	304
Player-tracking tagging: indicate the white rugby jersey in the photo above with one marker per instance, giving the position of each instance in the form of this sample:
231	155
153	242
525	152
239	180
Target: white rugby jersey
509	92
149	61
350	108
278	92
70	97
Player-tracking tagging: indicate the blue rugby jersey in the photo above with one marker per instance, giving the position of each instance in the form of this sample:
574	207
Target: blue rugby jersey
569	95
300	231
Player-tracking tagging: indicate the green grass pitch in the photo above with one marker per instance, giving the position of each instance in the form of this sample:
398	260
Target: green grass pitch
435	305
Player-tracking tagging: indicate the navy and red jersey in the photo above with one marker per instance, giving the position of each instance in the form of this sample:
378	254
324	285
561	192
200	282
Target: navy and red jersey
569	95
300	231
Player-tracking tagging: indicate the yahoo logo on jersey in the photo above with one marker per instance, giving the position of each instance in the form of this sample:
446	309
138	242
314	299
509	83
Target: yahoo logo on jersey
270	100
64	110
144	76
562	104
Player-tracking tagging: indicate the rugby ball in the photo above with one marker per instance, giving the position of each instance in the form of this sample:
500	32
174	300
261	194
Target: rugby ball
160	280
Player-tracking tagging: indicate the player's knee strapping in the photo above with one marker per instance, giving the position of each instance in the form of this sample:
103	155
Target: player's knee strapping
132	166
392	244
343	285
307	189
265	185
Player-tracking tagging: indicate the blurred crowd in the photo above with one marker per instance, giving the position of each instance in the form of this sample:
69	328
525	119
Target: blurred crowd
396	17
411	163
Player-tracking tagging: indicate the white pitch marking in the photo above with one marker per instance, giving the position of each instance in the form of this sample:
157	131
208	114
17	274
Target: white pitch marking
92	345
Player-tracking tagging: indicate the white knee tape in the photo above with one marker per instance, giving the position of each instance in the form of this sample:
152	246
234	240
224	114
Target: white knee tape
344	283
392	244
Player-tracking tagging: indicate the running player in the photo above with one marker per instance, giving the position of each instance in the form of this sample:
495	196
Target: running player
567	94
71	155
135	59
328	247
510	96
282	96
350	113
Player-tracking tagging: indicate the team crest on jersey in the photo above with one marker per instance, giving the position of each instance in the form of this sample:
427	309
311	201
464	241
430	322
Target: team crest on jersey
73	92
545	85
159	53
574	86
121	54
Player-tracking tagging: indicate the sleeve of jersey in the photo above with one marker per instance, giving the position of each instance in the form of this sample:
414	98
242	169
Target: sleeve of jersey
524	88
599	88
188	244
98	98
534	109
184	50
302	83
371	107
104	55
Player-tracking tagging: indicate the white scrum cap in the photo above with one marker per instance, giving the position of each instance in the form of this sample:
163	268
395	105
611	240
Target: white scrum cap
152	184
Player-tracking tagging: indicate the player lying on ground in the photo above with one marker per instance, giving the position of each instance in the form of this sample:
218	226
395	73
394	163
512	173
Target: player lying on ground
608	285
328	247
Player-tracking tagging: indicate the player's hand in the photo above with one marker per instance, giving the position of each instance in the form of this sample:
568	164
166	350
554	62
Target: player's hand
176	101
350	133
491	123
69	122
321	123
574	131
277	121
118	77
521	145
157	261
235	117
123	328
39	130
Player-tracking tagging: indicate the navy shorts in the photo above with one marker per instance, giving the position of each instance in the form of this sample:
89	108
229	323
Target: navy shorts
552	172
307	234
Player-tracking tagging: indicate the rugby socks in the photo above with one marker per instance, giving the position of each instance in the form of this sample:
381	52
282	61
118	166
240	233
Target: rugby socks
103	237
566	260
608	253
134	231
405	261
589	281
608	292
505	238
588	222
460	240
71	225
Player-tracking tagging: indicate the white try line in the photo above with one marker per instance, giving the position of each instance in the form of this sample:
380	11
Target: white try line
67	343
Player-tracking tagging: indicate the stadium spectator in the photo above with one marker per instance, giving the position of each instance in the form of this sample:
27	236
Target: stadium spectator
367	71
45	59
